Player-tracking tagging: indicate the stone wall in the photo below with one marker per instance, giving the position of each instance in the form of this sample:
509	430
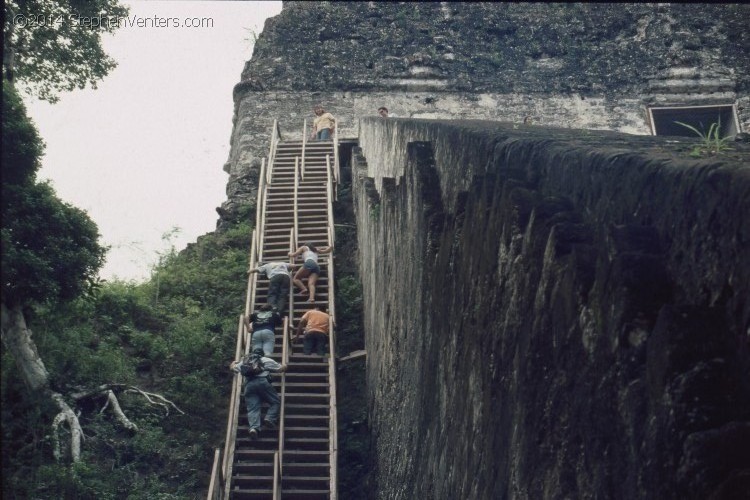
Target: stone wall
553	313
592	66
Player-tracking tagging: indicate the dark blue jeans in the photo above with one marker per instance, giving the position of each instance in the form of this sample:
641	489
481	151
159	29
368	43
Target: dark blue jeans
314	340
324	135
257	390
278	291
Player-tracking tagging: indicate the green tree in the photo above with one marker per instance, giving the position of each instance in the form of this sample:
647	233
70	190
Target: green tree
50	250
55	45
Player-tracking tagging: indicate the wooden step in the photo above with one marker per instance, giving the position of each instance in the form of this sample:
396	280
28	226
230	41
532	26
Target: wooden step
306	456
306	444
302	432
303	419
312	482
294	409
291	493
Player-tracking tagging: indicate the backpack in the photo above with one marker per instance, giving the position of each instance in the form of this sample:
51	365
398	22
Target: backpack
252	365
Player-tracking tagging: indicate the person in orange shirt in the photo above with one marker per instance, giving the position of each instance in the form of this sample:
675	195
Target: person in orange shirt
314	323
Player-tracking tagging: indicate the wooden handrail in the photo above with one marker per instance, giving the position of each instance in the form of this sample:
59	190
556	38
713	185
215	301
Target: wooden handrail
251	277
233	414
259	201
214	486
276	477
282	414
275	138
333	426
304	145
331	242
292	248
296	188
337	176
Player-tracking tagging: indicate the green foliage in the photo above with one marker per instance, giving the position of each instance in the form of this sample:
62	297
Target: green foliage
711	142
56	44
22	146
178	348
375	211
50	249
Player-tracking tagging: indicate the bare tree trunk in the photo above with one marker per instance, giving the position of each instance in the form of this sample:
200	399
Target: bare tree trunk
16	336
9	51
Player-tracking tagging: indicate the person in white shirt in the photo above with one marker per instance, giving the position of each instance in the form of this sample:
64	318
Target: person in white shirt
279	274
310	269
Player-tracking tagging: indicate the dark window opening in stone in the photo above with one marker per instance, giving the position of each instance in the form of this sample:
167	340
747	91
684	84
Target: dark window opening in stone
663	120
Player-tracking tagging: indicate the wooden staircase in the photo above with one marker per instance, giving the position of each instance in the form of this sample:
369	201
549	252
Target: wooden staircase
297	461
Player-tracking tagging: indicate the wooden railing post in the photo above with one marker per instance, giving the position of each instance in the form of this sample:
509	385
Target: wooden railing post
304	144
259	202
337	176
296	189
233	414
214	486
276	477
333	426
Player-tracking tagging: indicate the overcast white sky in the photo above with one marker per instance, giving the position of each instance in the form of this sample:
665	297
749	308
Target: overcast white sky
144	152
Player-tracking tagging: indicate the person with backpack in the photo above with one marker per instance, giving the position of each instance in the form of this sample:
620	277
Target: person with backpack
315	325
279	275
263	323
256	369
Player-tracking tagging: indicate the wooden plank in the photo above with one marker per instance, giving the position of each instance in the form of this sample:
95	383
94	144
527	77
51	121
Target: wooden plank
361	354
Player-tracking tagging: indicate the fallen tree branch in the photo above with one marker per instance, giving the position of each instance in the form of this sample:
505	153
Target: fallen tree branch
119	414
165	403
76	432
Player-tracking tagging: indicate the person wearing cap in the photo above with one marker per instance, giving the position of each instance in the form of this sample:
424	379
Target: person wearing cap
258	389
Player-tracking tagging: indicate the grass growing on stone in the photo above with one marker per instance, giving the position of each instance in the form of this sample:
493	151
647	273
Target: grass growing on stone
711	142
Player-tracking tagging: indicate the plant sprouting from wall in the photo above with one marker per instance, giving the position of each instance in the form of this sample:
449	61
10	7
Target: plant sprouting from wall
711	142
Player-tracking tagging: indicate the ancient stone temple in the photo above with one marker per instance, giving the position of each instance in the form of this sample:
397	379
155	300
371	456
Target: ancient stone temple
584	66
557	298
